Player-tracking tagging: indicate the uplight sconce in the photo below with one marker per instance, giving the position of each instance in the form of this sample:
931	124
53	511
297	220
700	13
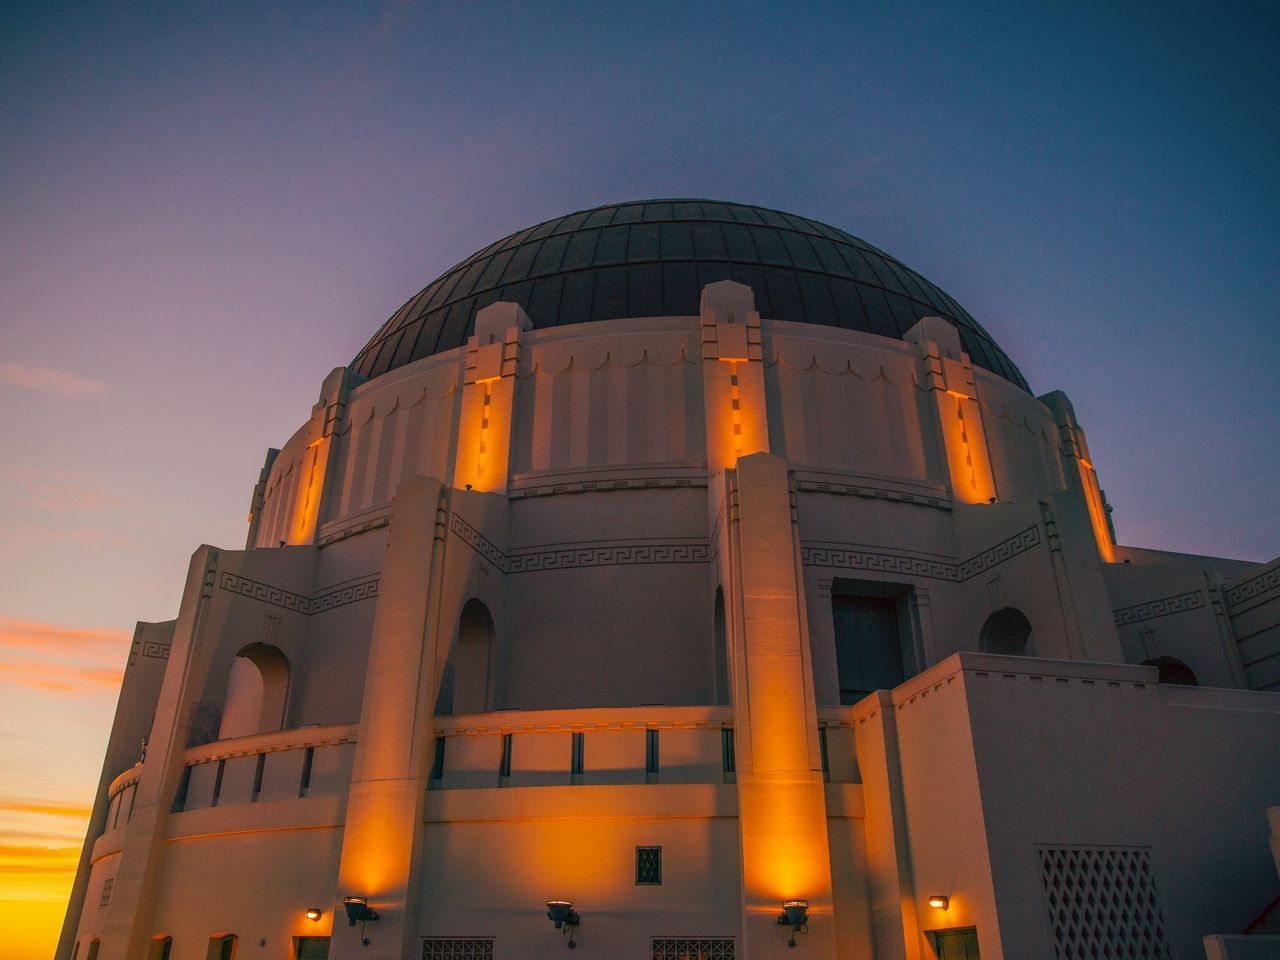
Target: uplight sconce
939	902
359	911
562	914
314	913
795	914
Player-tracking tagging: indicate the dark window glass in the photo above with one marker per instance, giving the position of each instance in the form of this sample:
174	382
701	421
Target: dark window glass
657	211
784	295
549	257
493	271
680	290
903	315
437	762
685	211
576	754
543	229
457	325
544	301
677	241
599	218
648	866
727	760
708	242
443	290
799	223
180	797
520	263
716	211
575	302
385	352
644	242
830	257
879	316
257	776
737	239
831	233
612	247
504	766
630	213
645	290
518	293
515	239
753	277
468	281
570	223
908	281
651	751
818	307
610	301
884	274
822	749
428	341
711	273
487	297
868	651
802	254
849	311
771	248
744	214
582	247
858	264
304	783
774	219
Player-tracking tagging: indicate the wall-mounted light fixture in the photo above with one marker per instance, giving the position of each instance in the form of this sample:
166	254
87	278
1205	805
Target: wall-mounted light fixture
359	911
314	913
939	902
562	914
795	914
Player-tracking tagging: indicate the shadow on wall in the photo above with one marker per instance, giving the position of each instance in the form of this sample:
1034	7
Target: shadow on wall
1007	632
466	683
257	692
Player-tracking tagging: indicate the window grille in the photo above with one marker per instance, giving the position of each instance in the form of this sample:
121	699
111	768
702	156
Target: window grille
693	948
457	948
106	891
651	753
648	866
504	767
727	761
575	763
307	759
437	762
822	746
1102	902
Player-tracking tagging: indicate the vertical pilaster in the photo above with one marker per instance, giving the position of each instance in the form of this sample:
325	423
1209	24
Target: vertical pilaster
1079	471
488	398
781	796
947	373
393	754
732	375
316	463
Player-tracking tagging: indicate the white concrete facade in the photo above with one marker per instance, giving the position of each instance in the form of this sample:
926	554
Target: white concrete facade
821	614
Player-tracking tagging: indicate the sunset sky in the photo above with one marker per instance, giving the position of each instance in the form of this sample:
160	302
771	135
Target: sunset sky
206	207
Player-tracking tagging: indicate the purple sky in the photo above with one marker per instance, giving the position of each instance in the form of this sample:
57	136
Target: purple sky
206	207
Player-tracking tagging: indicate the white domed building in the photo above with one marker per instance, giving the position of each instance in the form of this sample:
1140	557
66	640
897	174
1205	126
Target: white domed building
705	568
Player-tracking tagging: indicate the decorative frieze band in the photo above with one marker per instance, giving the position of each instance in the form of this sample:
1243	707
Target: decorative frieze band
1151	609
875	493
1264	582
589	486
852	558
148	648
599	554
338	596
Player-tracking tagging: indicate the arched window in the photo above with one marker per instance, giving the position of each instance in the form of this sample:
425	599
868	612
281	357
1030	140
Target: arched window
161	947
1006	632
222	946
1173	670
257	690
466	683
720	650
94	944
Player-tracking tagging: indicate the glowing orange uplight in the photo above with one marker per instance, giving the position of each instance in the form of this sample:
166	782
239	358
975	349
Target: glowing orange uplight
310	486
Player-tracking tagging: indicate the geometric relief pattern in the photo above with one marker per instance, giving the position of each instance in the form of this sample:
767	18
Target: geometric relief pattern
584	555
693	948
337	597
1159	608
1102	903
849	558
457	948
1264	582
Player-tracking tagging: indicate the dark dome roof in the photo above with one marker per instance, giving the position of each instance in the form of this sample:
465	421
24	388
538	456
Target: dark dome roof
652	258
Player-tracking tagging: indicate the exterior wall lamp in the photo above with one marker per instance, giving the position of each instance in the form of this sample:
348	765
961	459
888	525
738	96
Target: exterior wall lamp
939	902
359	911
562	914
314	913
795	914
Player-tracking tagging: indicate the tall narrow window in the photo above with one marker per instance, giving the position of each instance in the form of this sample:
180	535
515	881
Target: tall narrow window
94	946
648	866
437	762
504	767
180	798
257	777
575	760
217	782
868	649
651	756
822	746
305	783
727	761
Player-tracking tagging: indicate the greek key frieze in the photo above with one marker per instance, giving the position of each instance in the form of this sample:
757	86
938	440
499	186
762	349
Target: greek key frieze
853	558
1264	582
1159	608
277	596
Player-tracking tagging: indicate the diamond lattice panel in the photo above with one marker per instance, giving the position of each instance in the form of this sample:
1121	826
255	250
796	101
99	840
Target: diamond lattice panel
693	948
1102	903
457	948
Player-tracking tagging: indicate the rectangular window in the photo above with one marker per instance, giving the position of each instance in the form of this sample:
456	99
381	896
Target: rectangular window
575	762
651	755
648	866
822	746
457	948
504	768
106	891
257	777
180	798
217	782
305	783
727	762
437	762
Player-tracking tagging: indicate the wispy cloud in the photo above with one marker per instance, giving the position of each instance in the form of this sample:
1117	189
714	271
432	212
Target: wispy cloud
45	808
50	380
71	659
48	638
70	497
80	536
60	677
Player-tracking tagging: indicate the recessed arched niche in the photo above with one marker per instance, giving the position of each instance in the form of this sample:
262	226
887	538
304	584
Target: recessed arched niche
1172	670
257	692
1006	632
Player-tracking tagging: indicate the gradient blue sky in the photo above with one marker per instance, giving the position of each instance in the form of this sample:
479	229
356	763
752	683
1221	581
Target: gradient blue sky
205	207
